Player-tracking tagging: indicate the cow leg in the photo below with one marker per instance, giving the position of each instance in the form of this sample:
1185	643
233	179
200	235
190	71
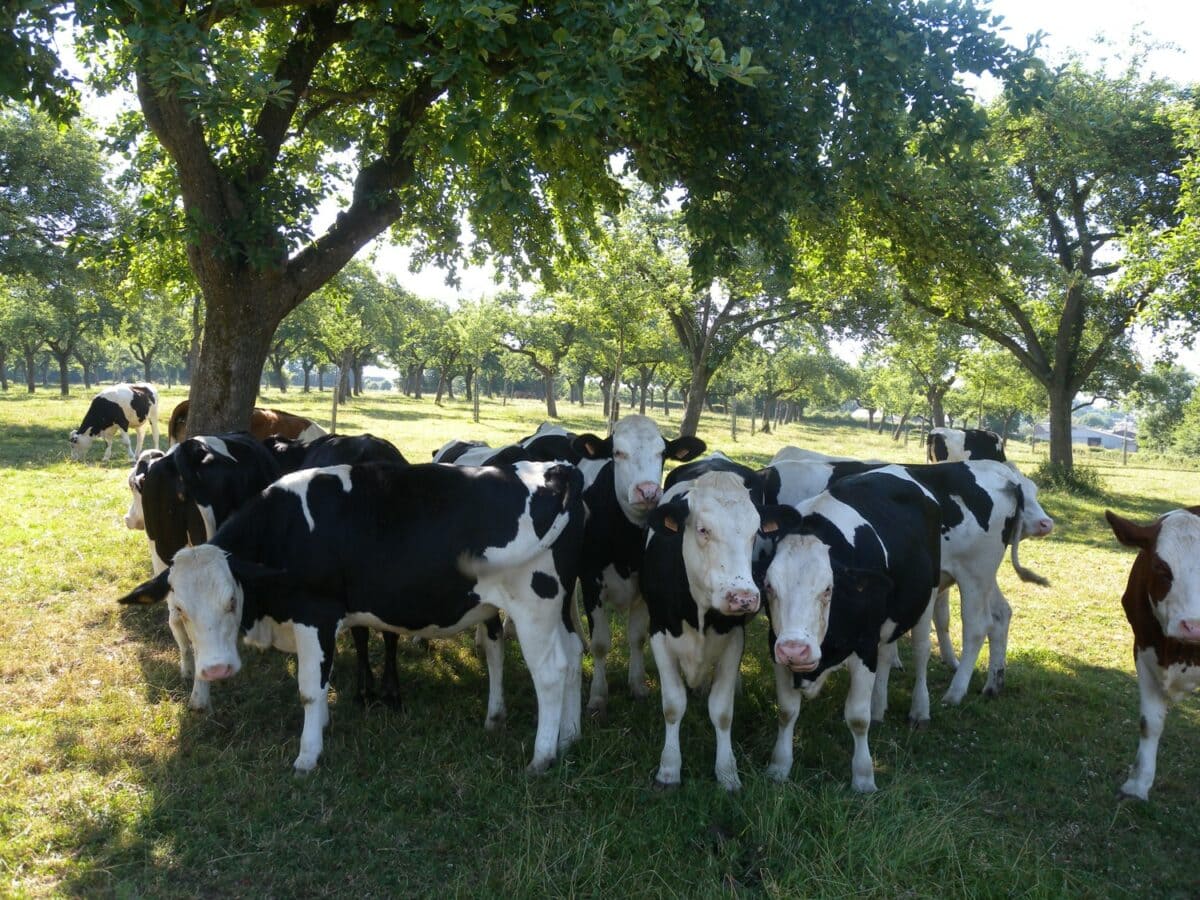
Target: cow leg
542	645
154	426
314	661
108	442
364	681
1153	703
975	615
128	446
720	707
389	689
141	433
885	657
941	621
858	720
199	699
639	628
918	712
570	725
674	705
601	643
1001	616
788	696
493	653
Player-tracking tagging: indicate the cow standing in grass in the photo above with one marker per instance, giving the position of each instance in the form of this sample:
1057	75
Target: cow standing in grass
1162	604
114	411
429	550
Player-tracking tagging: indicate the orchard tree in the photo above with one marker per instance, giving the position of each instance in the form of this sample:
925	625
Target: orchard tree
422	115
1161	395
477	327
542	330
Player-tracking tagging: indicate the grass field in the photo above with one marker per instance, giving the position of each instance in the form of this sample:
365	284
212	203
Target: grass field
110	786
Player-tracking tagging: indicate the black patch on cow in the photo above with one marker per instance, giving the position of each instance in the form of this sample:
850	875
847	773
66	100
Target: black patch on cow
981	444
142	400
548	501
494	626
101	415
544	585
936	446
1012	522
457	449
611	539
332	450
762	484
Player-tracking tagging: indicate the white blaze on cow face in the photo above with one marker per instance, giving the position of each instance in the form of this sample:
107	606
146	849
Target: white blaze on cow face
1178	550
718	541
638	449
799	587
206	600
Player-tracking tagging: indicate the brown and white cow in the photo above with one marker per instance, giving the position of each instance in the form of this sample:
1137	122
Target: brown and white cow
1162	604
264	423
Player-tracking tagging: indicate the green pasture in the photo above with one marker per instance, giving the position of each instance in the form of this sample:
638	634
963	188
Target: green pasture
110	786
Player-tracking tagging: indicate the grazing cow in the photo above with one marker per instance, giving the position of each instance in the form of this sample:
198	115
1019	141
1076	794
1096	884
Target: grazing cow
429	550
850	571
1162	604
699	589
986	506
264	423
959	445
115	410
621	476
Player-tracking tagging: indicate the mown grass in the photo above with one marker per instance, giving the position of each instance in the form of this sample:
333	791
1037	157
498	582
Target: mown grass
108	785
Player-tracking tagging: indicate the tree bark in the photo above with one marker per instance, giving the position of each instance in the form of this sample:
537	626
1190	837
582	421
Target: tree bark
1061	451
64	373
4	368
936	411
30	368
606	393
694	404
551	405
225	384
307	370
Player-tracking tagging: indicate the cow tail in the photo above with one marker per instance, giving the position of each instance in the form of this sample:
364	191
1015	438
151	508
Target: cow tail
1023	573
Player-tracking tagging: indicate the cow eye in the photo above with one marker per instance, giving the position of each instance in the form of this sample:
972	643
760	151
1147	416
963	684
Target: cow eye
1161	569
702	530
230	606
621	454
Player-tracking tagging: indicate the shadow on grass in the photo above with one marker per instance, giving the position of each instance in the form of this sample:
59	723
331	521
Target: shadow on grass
996	797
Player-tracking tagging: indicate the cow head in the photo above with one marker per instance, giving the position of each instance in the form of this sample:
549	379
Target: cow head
81	442
1170	566
205	595
638	451
800	585
1034	521
135	518
716	525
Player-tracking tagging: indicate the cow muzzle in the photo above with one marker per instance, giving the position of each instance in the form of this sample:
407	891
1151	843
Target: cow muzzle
799	656
218	672
1041	528
740	603
645	495
1187	630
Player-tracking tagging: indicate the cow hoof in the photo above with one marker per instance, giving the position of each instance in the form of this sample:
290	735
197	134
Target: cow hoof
664	787
919	724
598	710
778	774
952	699
539	767
876	722
639	691
1125	792
304	764
990	692
864	785
731	784
496	723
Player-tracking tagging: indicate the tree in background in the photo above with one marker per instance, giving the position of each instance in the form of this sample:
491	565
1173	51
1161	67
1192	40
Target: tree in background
477	325
543	330
1161	397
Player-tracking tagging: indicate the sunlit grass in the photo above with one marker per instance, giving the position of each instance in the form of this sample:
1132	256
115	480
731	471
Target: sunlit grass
108	785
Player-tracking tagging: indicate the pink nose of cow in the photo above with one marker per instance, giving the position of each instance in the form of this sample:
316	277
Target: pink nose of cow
646	493
741	602
1043	527
216	673
1189	629
796	655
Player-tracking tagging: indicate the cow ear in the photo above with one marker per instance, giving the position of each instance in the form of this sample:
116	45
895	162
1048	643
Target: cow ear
669	518
589	446
1130	533
148	592
778	520
685	449
767	480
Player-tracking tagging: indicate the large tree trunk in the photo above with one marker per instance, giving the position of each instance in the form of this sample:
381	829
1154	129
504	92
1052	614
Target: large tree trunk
1061	451
30	369
4	368
551	404
769	404
193	355
606	394
936	411
694	404
237	336
64	372
580	385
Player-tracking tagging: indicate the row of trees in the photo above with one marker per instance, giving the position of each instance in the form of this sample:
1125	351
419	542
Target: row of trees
836	178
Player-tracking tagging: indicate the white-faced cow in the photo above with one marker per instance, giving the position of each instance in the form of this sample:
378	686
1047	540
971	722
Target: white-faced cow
114	411
850	571
699	588
429	550
961	444
1162	604
622	474
986	507
264	423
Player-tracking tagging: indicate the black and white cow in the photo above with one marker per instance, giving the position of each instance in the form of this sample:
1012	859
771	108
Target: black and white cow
115	410
959	445
699	589
986	507
450	451
549	443
331	450
429	550
622	475
135	519
763	484
850	571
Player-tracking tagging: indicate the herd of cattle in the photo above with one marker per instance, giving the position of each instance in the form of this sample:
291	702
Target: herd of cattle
284	536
